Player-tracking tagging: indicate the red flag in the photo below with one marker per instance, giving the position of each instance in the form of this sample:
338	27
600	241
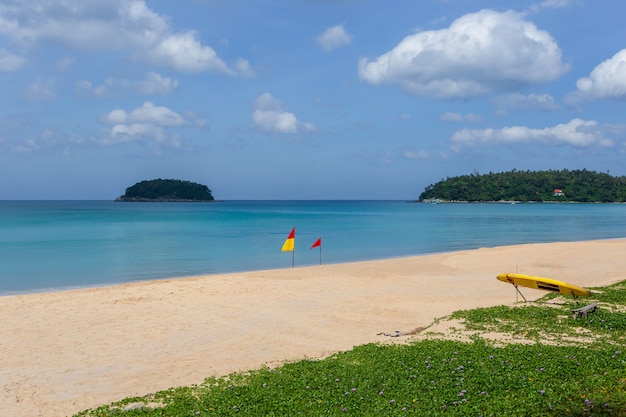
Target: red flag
317	243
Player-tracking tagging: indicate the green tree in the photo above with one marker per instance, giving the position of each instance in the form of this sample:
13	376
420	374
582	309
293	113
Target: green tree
167	190
578	185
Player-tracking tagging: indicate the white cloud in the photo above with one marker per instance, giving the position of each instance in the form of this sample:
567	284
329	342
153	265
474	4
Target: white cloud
415	154
10	62
157	84
451	117
145	122
390	156
269	116
333	38
606	81
147	113
29	146
134	131
116	116
243	68
154	83
84	85
480	53
473	118
65	63
97	90
110	25
184	53
577	133
402	116
156	114
517	101
458	117
549	4
28	137
94	24
40	90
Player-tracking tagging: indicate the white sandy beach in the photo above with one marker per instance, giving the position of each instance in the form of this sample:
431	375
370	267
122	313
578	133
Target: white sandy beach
62	352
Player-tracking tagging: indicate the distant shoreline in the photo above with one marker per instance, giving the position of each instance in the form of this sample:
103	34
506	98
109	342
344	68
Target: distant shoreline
438	201
161	200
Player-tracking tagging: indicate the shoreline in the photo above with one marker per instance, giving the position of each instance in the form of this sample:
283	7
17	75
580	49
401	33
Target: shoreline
16	293
75	349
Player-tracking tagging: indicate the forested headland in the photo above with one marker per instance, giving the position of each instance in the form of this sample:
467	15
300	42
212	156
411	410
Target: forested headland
530	186
167	190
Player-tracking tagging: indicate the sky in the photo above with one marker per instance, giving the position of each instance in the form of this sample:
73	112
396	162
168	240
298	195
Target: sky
304	99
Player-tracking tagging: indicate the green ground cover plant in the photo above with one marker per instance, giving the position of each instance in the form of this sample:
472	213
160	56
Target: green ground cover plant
553	365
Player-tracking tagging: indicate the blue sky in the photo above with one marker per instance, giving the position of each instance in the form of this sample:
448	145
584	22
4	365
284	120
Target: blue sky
304	99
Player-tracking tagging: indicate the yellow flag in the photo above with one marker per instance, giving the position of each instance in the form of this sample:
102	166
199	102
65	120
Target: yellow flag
289	244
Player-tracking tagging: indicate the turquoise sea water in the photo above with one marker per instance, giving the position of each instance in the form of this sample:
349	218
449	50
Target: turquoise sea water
49	245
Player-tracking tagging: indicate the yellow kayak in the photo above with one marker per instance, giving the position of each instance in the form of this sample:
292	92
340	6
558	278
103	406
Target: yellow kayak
546	284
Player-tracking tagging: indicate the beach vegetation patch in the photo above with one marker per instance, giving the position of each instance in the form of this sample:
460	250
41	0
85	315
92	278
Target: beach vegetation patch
549	321
435	377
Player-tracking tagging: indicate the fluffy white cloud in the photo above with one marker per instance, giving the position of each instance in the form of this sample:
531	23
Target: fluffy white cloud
184	53
269	116
607	80
145	122
479	53
147	113
333	38
131	132
110	25
577	133
94	24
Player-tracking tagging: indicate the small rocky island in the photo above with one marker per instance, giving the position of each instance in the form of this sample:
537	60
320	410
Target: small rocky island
166	191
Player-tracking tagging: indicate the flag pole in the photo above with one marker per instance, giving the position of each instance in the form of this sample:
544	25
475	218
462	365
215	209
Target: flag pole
293	251
289	245
318	242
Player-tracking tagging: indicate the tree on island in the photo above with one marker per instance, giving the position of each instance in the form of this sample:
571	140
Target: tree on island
167	190
539	186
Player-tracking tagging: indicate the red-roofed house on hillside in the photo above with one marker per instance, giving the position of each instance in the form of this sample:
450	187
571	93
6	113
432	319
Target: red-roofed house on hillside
558	192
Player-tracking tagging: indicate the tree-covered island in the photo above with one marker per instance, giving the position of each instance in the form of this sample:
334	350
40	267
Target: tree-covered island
581	186
167	191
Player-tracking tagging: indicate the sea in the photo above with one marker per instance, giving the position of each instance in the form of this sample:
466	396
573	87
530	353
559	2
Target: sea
58	245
